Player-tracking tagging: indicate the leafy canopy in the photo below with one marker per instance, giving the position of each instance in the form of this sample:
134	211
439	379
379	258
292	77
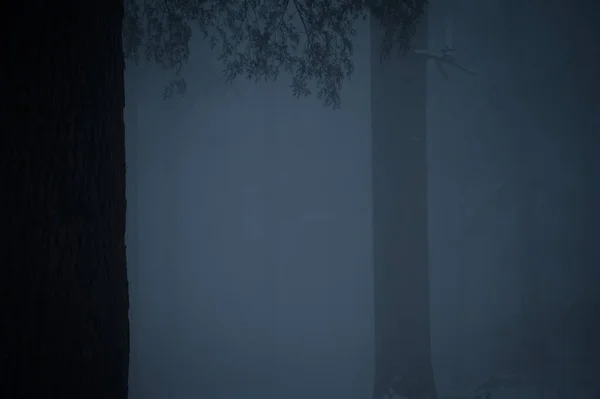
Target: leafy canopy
309	39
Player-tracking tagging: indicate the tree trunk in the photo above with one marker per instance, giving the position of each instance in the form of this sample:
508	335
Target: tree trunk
64	330
399	162
529	133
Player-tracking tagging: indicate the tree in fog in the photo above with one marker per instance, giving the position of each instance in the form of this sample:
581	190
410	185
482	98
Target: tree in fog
309	39
403	364
64	293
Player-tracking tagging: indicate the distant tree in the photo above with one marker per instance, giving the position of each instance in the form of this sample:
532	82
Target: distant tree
257	39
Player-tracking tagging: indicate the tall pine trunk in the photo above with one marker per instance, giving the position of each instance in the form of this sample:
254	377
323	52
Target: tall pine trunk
399	167
63	282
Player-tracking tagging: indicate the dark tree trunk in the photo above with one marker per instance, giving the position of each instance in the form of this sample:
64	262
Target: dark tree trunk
63	283
399	162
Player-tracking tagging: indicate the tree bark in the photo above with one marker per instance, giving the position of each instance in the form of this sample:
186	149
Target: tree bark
399	167
64	330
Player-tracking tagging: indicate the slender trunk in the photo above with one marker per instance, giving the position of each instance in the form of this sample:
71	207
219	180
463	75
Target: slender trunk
401	270
63	289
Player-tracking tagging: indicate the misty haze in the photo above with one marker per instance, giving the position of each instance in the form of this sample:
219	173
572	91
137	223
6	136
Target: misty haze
431	235
253	235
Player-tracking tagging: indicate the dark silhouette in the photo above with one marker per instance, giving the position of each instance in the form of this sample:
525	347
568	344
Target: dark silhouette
401	266
63	289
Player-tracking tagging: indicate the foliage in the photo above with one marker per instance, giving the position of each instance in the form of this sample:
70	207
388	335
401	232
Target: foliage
257	39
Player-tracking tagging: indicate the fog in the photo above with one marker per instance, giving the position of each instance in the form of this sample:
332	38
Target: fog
250	228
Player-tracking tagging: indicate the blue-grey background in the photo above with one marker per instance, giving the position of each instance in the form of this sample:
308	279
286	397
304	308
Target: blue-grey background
250	217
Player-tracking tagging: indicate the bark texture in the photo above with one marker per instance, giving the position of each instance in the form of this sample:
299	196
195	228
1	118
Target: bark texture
64	330
399	167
